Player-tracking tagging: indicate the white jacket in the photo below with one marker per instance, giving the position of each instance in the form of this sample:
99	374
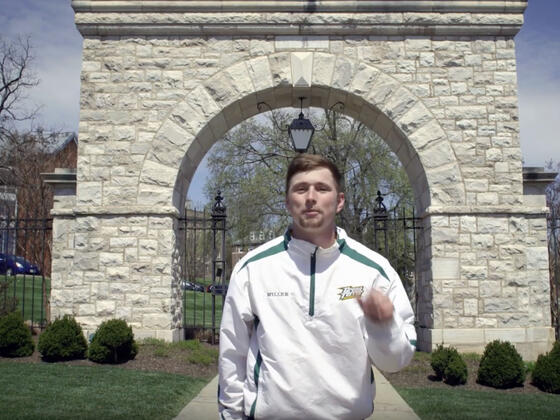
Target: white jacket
294	342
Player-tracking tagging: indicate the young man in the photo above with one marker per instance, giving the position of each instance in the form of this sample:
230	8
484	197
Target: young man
308	313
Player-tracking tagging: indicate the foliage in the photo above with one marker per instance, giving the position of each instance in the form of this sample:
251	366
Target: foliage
439	360
448	365
15	336
249	165
113	342
501	366
456	370
8	303
546	373
63	340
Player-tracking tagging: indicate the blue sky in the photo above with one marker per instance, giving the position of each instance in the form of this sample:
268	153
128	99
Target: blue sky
58	60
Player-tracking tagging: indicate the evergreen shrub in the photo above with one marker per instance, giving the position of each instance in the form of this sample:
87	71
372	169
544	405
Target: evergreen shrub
63	340
456	370
501	366
113	342
439	359
449	366
546	374
15	336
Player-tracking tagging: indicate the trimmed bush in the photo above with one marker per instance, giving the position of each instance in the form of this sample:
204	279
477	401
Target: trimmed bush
546	374
15	337
456	370
448	365
439	360
501	366
113	342
63	340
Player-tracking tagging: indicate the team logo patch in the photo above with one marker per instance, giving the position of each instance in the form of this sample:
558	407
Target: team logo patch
350	292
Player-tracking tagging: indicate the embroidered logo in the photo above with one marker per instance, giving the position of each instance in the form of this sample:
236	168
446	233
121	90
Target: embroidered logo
350	292
277	294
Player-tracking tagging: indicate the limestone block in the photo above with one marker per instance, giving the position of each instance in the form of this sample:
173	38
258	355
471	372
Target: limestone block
382	89
89	193
437	155
470	307
474	272
105	308
495	305
323	69
492	225
110	258
445	268
280	66
416	116
156	321
154	173
431	132
513	335
487	199
482	241
117	274
537	258
463	336
147	247
399	103
86	261
150	195
259	71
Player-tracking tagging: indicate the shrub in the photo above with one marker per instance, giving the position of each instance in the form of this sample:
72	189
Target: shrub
439	359
456	370
113	342
501	366
63	340
15	337
546	374
448	365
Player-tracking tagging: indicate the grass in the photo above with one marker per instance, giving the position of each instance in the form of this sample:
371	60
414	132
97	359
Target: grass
459	404
59	391
28	291
198	309
195	351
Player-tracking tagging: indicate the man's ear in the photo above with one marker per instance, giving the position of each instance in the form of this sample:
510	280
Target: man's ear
340	202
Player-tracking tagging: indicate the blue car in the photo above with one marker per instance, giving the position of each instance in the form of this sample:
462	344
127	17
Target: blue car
12	264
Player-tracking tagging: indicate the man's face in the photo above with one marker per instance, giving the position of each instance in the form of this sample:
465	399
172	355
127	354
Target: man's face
313	202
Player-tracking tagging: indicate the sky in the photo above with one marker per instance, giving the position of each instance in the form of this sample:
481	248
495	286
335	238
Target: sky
58	49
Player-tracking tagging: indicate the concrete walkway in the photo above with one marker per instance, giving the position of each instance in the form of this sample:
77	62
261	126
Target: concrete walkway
388	403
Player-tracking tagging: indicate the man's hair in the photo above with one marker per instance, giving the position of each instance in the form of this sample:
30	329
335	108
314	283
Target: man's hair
305	162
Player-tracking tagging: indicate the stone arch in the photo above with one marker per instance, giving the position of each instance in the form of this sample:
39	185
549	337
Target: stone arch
371	96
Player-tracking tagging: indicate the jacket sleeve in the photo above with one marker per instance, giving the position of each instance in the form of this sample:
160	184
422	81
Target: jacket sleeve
391	344
235	335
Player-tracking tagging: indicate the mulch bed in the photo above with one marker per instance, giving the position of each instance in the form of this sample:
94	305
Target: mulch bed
419	374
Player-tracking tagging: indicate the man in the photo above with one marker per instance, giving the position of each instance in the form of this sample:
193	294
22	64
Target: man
308	313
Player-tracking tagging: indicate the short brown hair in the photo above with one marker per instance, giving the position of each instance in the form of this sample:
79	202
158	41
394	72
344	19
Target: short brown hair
305	162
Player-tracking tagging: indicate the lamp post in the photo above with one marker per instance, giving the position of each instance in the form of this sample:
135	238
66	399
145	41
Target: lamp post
301	130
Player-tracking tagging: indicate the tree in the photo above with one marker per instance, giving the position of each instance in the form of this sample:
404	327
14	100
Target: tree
17	78
249	165
553	202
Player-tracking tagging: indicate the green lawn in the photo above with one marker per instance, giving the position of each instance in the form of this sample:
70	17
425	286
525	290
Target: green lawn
198	309
459	404
59	391
28	291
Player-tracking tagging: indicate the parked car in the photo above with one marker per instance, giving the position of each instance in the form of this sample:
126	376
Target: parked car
13	264
189	285
217	289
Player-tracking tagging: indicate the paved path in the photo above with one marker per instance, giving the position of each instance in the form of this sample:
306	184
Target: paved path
388	403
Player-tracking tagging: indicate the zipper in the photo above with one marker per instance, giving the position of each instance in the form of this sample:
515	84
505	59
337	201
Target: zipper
312	283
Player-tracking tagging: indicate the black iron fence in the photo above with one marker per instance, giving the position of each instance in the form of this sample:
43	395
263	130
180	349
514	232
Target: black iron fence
25	267
205	275
554	262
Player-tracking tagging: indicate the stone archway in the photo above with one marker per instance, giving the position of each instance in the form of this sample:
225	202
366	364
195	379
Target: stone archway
161	83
